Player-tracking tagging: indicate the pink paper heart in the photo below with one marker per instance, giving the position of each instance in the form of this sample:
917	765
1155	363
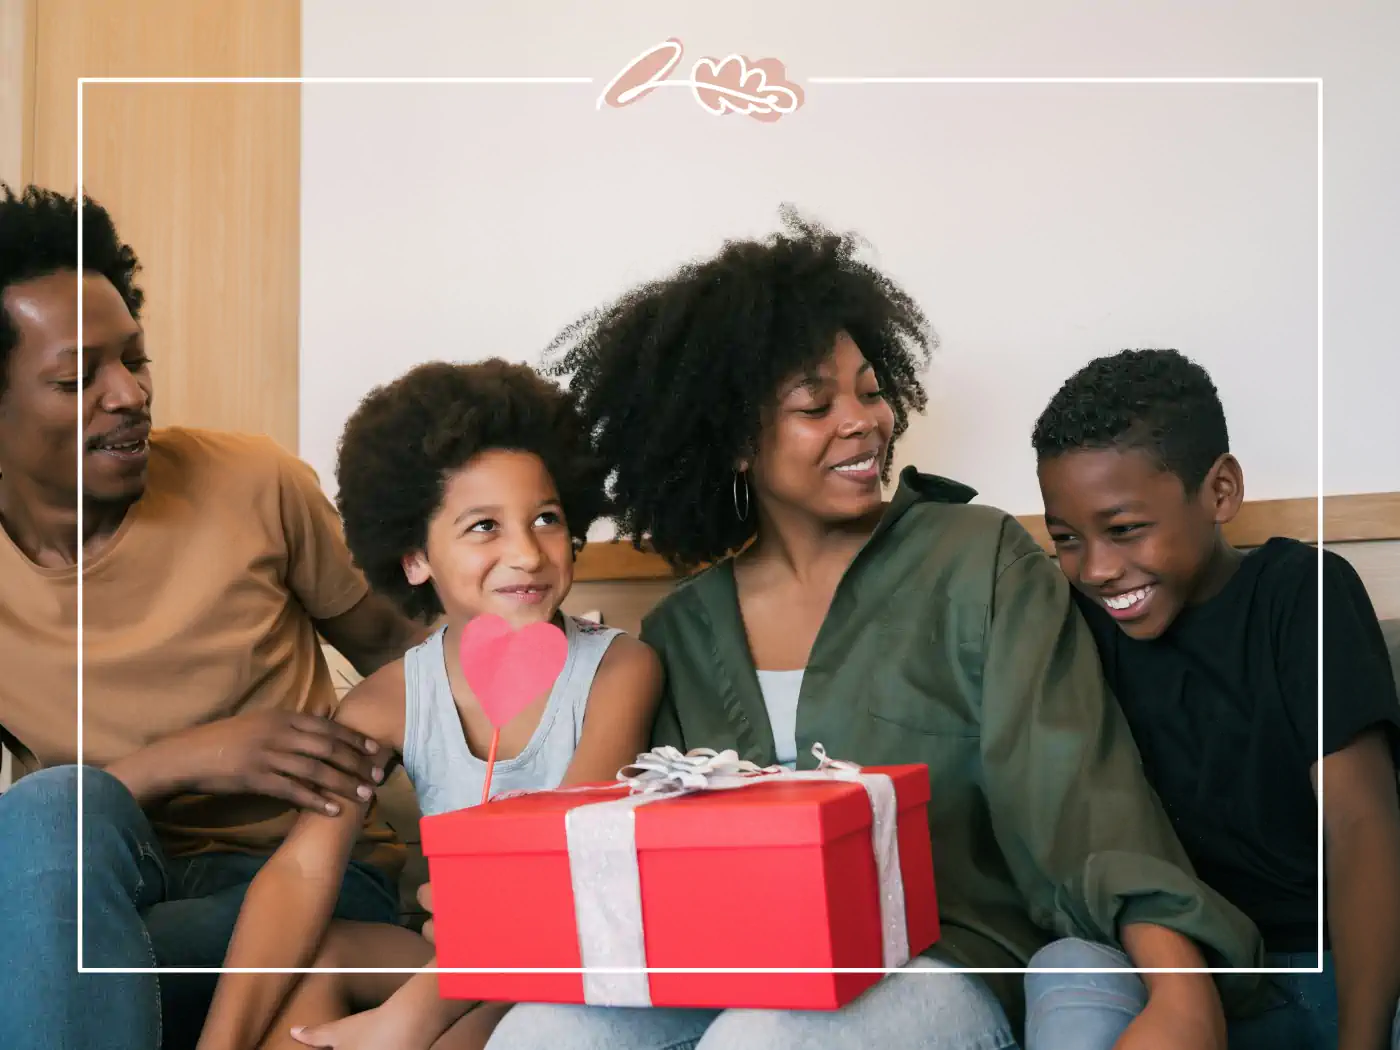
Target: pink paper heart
508	670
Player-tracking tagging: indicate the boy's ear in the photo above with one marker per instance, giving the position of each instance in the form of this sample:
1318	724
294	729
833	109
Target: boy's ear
1223	489
415	567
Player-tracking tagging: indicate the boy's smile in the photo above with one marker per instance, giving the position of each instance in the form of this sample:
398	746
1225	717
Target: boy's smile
1128	605
1129	536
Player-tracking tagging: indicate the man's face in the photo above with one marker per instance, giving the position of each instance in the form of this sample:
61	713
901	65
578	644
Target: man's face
45	399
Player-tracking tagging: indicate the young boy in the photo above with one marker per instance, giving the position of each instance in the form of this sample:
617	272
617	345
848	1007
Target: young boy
1212	653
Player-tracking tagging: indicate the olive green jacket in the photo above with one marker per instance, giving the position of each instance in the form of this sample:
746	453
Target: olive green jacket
952	640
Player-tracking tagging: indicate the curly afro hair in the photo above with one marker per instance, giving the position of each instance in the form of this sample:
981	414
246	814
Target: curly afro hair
674	377
1157	401
39	237
407	438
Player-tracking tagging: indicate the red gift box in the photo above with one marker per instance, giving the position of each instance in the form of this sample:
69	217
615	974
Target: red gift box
782	874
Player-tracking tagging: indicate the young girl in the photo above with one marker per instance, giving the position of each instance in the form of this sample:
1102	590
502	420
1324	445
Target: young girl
465	490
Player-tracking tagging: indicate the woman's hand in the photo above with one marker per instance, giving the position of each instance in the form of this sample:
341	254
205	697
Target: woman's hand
1183	1010
1168	1024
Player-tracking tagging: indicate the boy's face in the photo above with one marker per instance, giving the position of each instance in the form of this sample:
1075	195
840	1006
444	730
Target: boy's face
499	543
1129	537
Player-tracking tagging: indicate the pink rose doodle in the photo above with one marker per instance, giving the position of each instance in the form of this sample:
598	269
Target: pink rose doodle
759	89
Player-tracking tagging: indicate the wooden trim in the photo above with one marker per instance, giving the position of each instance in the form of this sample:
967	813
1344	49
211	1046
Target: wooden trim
18	27
618	560
1349	519
29	127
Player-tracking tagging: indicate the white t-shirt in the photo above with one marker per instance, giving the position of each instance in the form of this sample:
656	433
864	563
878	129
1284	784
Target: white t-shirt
780	689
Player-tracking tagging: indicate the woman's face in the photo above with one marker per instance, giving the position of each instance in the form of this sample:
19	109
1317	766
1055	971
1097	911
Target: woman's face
825	441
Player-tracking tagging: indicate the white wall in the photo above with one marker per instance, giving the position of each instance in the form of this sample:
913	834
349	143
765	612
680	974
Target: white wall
1038	225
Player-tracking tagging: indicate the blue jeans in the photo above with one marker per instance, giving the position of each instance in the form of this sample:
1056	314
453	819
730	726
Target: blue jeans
140	909
1090	1010
911	1011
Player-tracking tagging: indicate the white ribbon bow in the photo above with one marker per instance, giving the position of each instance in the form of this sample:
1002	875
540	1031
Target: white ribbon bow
665	770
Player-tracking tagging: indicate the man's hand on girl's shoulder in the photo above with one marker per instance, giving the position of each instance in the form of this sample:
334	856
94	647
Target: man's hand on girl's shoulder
311	762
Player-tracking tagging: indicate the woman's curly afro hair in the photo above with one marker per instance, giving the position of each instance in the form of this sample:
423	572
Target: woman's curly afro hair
406	440
674	378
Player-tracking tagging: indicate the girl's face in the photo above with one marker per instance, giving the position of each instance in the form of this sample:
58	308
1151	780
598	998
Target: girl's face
499	542
825	442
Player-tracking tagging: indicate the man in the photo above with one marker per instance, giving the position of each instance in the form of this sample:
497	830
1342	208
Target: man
210	564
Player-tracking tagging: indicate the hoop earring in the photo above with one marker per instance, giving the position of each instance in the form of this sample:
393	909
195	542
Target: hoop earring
742	514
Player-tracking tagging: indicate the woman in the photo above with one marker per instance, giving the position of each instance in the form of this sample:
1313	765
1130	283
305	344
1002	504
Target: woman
750	404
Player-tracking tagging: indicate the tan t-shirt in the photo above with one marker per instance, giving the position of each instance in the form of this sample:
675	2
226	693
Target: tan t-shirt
200	607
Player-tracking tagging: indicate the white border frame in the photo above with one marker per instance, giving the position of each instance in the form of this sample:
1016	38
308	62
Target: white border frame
1317	82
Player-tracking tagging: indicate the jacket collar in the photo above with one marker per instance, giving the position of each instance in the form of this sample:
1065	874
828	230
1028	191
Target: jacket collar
718	598
915	488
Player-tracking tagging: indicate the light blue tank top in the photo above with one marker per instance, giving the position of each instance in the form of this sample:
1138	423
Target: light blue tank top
445	774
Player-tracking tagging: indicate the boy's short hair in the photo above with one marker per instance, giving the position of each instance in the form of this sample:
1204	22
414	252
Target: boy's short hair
405	440
1157	401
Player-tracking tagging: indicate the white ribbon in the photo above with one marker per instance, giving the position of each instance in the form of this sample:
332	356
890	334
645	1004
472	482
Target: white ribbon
602	846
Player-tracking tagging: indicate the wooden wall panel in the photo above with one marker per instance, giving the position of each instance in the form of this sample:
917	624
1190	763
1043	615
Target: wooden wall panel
1347	519
17	25
203	181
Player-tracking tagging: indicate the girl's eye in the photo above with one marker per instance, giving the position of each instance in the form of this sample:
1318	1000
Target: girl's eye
1124	530
486	525
873	395
549	517
1062	539
135	364
815	413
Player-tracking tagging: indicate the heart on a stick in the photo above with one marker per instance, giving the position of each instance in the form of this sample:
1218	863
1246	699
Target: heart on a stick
508	670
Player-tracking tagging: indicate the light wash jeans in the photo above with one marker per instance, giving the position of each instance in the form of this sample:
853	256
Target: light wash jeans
908	1011
1089	1011
140	910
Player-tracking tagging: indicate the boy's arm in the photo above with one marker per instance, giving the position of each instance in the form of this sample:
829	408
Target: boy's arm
1085	836
1362	824
290	901
1360	811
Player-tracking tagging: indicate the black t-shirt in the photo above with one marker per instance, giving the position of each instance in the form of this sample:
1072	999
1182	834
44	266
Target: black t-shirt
1224	711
